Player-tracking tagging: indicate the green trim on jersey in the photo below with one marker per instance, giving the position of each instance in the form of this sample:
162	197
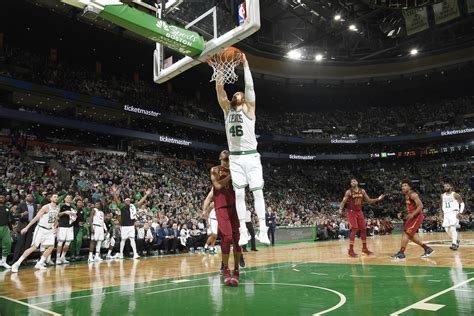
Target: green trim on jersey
245	152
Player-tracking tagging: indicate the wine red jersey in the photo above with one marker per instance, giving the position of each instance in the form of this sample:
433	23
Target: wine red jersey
355	200
224	197
411	205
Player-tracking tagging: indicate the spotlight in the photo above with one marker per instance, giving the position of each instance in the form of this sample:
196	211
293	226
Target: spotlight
319	57
352	27
337	17
414	51
294	54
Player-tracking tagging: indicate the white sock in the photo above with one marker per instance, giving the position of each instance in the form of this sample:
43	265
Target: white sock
259	207
90	255
109	252
454	235
42	260
134	246
240	205
122	245
49	258
97	247
4	259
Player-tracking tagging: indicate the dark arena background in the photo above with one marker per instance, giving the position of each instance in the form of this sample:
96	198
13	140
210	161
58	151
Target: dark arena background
108	137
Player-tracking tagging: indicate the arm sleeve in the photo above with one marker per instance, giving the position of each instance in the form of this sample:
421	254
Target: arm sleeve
461	208
249	90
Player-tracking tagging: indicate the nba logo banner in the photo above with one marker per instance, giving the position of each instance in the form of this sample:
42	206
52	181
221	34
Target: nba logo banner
242	13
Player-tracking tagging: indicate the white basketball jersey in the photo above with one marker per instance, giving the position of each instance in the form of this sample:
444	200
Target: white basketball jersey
240	131
98	218
212	214
48	219
449	203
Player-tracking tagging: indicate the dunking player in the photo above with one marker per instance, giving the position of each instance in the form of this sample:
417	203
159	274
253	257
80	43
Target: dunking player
413	221
44	234
353	200
451	205
228	222
245	164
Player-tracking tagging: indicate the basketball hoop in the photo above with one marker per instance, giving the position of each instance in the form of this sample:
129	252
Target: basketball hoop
224	64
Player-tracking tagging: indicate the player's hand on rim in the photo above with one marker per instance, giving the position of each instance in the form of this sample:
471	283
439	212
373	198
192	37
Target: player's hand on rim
244	59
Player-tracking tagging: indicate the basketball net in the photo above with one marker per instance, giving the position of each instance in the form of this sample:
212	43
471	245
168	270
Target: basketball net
223	64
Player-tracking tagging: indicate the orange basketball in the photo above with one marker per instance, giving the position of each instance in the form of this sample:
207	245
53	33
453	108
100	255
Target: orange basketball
230	53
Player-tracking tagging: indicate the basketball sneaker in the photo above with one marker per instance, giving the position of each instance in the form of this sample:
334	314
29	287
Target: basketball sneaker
64	261
39	266
398	256
136	256
234	281
262	236
227	277
58	261
242	262
98	258
352	254
367	252
453	247
5	265
428	252
15	267
244	236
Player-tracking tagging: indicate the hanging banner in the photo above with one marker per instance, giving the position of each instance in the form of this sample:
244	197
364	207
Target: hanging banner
446	11
416	20
470	6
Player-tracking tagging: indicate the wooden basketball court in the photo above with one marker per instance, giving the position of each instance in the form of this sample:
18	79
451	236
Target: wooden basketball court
304	278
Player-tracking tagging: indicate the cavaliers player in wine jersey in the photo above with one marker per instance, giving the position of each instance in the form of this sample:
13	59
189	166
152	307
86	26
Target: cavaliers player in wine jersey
413	221
353	199
227	219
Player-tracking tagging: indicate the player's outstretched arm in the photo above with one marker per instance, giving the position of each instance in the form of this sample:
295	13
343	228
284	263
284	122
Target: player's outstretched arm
143	199
368	200
250	99
222	98
114	193
344	201
35	219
